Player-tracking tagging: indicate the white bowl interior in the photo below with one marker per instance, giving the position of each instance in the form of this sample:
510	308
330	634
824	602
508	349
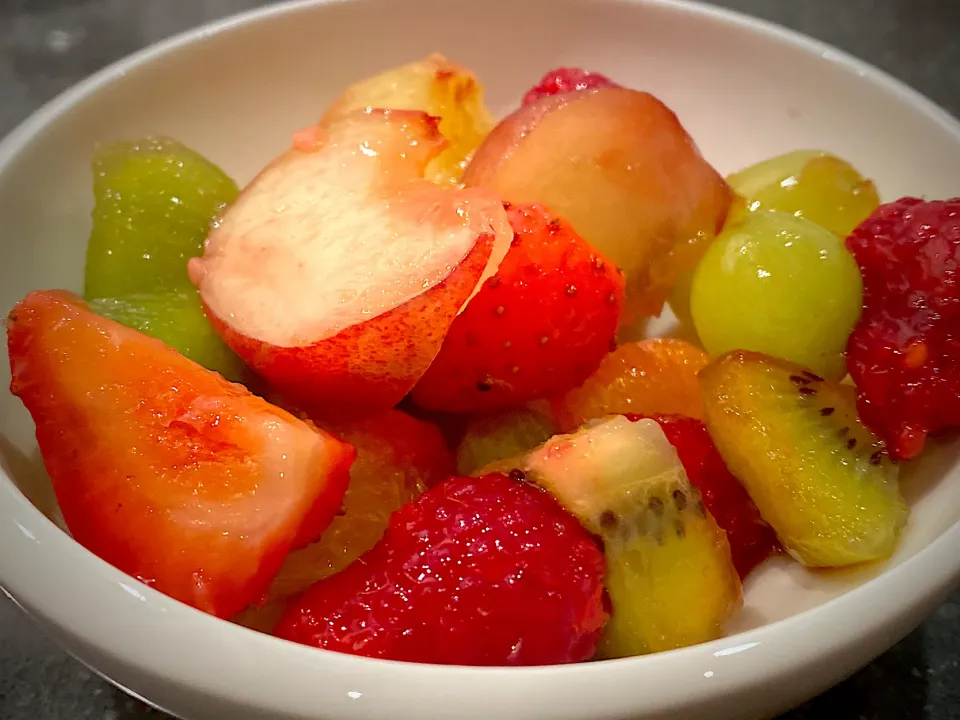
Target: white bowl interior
236	96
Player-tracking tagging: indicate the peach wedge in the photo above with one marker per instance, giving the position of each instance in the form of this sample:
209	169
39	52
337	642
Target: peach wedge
338	271
619	166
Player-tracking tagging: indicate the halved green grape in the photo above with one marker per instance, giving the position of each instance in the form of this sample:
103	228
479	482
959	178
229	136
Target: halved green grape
177	319
780	285
154	202
812	184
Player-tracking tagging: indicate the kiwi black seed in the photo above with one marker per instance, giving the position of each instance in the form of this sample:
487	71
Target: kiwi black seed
609	520
679	499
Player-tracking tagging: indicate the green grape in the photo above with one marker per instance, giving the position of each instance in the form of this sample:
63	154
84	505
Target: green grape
772	171
808	183
780	285
177	319
154	202
503	436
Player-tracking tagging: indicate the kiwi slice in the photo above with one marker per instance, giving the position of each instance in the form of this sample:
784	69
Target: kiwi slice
154	202
670	576
177	319
491	438
818	476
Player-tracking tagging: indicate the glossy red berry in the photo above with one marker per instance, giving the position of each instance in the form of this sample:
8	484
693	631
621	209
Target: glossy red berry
477	571
904	353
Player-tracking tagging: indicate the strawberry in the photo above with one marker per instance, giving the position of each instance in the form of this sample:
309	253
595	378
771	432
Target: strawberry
162	468
538	327
565	80
477	571
751	539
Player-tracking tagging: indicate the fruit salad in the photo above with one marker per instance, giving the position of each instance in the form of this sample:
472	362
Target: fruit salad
394	397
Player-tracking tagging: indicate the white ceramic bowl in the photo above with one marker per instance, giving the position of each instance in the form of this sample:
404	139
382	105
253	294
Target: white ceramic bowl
236	90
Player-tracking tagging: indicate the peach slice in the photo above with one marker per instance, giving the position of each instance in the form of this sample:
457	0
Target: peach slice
338	271
435	86
619	166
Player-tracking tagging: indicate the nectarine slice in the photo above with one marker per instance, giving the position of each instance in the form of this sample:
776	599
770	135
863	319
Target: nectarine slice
619	166
162	468
338	271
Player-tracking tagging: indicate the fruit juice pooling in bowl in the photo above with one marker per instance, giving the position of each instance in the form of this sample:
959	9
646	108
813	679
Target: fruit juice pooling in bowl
449	445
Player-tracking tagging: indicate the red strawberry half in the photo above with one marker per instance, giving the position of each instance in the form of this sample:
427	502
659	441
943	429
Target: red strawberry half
477	571
538	327
751	539
904	353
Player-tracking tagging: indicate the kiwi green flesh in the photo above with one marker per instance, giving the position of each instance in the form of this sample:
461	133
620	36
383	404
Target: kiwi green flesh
670	577
177	319
154	202
671	586
617	477
818	476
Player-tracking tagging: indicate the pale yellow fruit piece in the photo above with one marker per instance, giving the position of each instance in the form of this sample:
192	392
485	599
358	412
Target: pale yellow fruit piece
437	87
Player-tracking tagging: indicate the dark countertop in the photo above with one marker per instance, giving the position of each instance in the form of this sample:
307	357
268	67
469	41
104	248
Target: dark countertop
47	45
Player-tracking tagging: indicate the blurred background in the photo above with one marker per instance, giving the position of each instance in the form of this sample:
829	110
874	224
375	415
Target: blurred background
48	45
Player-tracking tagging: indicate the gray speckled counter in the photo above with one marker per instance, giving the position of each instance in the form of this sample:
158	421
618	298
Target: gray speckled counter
47	45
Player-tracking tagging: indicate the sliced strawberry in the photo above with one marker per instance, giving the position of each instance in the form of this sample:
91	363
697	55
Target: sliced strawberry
538	327
162	468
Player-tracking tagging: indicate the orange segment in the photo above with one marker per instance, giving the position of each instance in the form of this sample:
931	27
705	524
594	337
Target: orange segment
650	377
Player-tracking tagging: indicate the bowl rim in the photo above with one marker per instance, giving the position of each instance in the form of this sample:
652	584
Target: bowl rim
31	540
